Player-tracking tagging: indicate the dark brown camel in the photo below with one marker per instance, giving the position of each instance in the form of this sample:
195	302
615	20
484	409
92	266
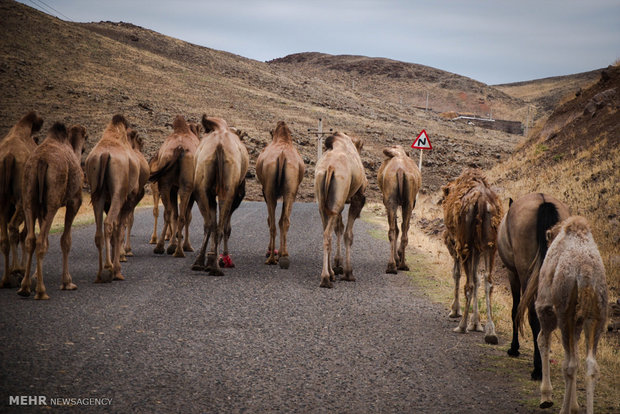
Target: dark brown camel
15	148
113	173
221	165
399	180
472	213
53	178
339	179
522	247
175	177
279	169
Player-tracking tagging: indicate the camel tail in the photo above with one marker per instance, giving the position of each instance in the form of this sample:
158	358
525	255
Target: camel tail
41	174
280	171
546	218
402	189
328	190
219	170
6	168
104	160
172	163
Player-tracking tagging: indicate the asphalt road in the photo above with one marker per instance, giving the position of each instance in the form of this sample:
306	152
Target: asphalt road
259	339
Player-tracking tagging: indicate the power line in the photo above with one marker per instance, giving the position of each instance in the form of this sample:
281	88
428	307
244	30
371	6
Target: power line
43	4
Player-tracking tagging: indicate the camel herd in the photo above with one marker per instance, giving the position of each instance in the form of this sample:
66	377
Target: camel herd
555	270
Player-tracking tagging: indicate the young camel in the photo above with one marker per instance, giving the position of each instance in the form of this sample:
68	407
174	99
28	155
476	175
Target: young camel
175	176
472	213
279	169
53	178
522	246
339	179
221	165
399	180
15	148
572	295
113	173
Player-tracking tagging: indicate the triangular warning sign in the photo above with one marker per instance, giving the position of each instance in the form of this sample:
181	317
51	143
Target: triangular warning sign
422	142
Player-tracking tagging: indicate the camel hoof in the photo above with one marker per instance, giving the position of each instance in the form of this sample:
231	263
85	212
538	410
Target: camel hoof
284	262
119	277
536	375
270	261
458	329
216	272
18	273
475	327
348	277
122	259
513	353
158	250
226	261
11	282
391	269
153	240
338	270
178	253
41	296
188	248
198	267
491	339
455	314
25	292
403	267
546	404
68	286
171	249
326	283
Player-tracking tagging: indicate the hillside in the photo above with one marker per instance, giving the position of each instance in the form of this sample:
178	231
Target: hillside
85	73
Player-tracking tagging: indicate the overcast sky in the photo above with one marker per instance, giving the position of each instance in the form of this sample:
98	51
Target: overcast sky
492	41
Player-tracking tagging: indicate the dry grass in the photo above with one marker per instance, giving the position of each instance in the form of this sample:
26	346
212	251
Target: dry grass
431	267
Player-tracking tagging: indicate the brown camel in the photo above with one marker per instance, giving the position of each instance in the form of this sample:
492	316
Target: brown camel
472	213
136	144
571	295
113	173
339	179
221	165
175	176
279	169
53	178
522	246
156	198
15	148
399	180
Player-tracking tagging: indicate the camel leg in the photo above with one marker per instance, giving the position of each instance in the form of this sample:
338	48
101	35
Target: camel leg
30	243
393	236
490	337
455	309
548	323
474	323
128	251
535	326
65	243
404	237
122	253
99	237
185	196
172	246
112	228
203	206
220	230
165	199
339	229
41	250
285	223
515	289
155	213
5	247
570	339
357	203
468	288
187	246
271	221
14	236
328	227
593	330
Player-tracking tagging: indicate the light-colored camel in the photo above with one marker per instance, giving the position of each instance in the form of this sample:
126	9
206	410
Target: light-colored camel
399	180
53	178
15	148
279	169
339	179
572	295
136	144
472	213
522	248
221	165
113	173
175	177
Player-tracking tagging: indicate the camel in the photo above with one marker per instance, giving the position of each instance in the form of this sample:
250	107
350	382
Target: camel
339	179
113	173
571	295
15	148
221	165
279	169
53	178
399	180
522	248
136	144
175	175
472	213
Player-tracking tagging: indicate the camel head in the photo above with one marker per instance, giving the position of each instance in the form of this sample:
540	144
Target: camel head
339	136
77	139
196	129
211	124
135	139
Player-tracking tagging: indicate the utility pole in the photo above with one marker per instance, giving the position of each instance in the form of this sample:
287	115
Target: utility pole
527	121
426	102
319	135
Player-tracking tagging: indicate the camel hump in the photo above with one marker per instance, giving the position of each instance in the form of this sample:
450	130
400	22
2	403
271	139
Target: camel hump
58	131
172	162
42	166
6	168
179	125
34	120
119	119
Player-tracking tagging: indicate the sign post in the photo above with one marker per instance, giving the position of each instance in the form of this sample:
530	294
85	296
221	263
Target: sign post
422	142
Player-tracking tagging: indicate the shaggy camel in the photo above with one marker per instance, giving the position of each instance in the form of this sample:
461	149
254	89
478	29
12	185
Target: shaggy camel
136	144
522	247
472	213
572	295
15	148
53	178
113	173
221	165
174	176
399	180
339	179
279	169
